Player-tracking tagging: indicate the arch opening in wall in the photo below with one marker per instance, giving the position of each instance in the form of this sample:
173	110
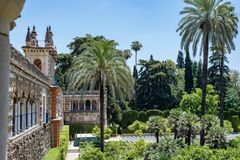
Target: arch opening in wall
94	105
88	105
38	63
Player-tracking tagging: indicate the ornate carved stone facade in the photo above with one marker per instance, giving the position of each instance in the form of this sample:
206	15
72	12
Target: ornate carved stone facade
31	107
83	109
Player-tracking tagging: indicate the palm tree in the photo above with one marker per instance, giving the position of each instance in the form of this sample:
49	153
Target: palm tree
202	27
99	66
224	44
158	125
136	46
189	126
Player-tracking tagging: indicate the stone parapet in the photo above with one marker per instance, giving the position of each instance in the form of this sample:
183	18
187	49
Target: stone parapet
30	146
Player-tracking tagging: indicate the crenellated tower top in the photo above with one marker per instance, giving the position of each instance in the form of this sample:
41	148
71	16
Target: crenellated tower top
42	57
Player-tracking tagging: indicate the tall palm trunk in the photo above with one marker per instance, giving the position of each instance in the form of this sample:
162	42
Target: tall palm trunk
222	90
102	115
204	81
136	59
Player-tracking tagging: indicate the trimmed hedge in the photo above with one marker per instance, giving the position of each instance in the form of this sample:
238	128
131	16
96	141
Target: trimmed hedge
142	116
60	152
81	128
235	123
54	154
128	117
166	113
154	112
64	140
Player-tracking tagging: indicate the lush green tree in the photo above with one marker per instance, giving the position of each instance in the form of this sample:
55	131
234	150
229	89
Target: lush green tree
178	88
214	71
232	99
235	79
199	75
180	60
192	102
99	66
204	25
63	64
188	74
135	72
154	85
136	46
157	125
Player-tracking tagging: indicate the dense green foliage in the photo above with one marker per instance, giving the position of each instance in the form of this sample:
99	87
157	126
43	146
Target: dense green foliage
91	153
54	153
192	102
154	84
235	123
163	150
142	116
128	117
180	60
107	132
64	139
188	74
137	127
153	112
60	152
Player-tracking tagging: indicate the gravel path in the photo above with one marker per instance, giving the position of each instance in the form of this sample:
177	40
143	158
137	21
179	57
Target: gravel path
72	153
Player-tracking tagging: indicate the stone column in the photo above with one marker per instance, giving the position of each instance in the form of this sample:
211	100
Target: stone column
9	11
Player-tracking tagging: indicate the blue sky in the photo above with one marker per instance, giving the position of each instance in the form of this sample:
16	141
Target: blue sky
152	22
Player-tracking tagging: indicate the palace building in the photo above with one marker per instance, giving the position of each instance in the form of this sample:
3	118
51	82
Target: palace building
35	103
37	107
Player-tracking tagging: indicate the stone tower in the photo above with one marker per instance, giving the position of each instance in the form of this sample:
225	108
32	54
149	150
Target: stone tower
42	57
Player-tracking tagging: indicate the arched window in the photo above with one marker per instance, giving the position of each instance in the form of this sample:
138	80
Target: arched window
88	105
75	105
94	105
38	64
81	103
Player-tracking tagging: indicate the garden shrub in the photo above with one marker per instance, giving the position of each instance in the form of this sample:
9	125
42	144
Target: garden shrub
235	123
60	152
228	126
137	127
53	154
116	150
194	153
142	116
128	117
81	128
64	139
114	127
91	153
227	115
166	113
107	132
154	112
164	150
135	150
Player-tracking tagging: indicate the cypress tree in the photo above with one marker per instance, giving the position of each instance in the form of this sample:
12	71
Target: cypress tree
180	60
188	74
199	75
135	72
